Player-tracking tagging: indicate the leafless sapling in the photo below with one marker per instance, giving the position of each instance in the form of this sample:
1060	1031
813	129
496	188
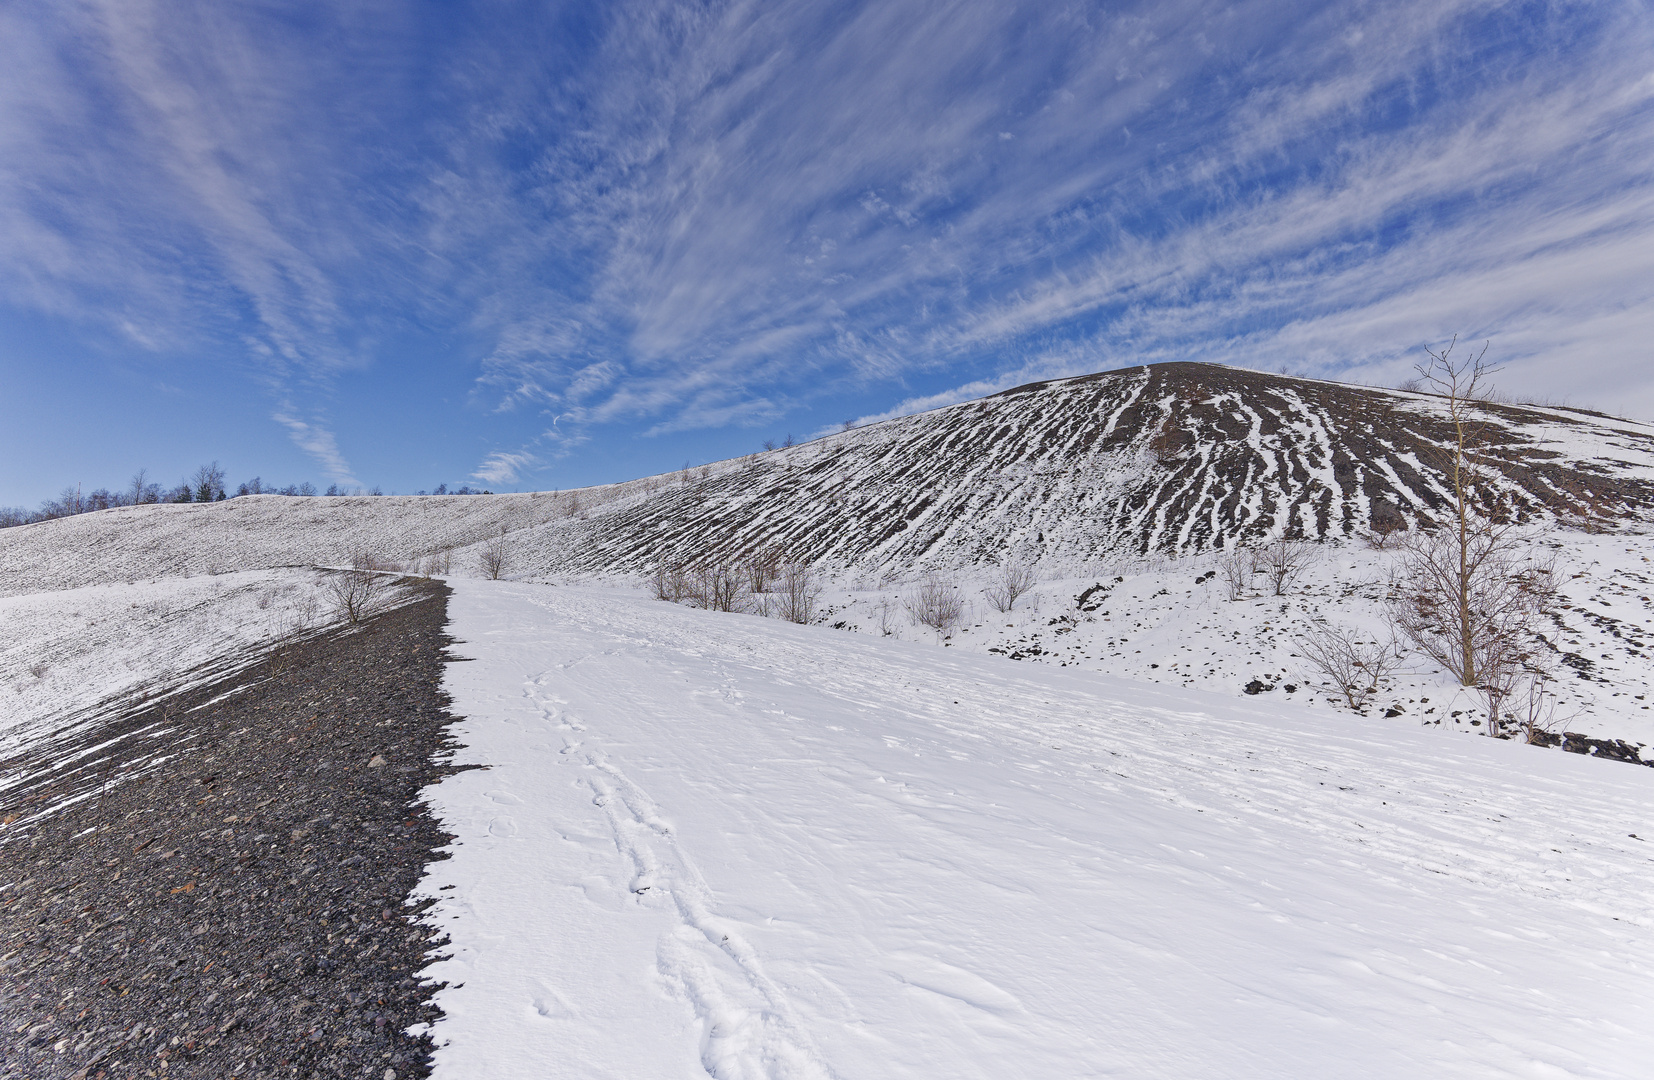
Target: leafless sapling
799	593
355	593
1009	585
1473	596
1238	566
494	555
1283	561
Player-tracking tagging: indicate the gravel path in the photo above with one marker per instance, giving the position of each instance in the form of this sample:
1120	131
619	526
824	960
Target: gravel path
226	897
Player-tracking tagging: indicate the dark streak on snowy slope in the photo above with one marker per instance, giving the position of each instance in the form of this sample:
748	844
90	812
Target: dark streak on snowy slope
1177	457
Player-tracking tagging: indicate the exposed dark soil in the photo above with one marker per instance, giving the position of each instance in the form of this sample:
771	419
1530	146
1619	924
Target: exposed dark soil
227	897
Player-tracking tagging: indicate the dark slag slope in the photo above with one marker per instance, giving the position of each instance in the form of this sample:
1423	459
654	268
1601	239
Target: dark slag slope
236	909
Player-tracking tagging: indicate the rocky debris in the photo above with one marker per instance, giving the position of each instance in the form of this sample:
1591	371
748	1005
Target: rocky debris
1575	743
224	894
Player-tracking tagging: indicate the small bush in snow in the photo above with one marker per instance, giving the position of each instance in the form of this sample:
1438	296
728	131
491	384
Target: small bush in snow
1237	567
798	594
355	593
493	556
1354	668
669	582
1284	561
1014	580
934	602
438	563
718	586
370	561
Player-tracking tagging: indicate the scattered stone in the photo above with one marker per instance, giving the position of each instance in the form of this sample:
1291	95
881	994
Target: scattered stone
187	914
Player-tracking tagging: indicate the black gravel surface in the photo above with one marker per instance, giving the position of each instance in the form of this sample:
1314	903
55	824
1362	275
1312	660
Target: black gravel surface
227	897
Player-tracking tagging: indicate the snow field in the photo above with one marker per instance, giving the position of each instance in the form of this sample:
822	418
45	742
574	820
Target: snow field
1171	621
72	654
710	844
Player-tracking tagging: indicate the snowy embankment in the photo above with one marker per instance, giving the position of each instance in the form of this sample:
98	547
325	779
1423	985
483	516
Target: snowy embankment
255	532
711	843
65	654
1173	621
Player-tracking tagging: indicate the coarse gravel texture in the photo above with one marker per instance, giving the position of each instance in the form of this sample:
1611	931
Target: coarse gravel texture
222	889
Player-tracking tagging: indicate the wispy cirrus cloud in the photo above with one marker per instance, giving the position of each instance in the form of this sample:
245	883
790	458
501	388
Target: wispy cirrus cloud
320	443
1260	183
653	217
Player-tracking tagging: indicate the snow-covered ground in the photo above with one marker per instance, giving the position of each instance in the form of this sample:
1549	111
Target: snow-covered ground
712	844
75	653
1171	621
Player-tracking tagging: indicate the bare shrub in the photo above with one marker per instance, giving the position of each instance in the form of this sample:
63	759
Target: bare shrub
372	562
669	582
437	563
1355	668
886	626
1386	521
1284	561
762	569
39	669
798	594
292	620
494	555
1533	712
1237	568
355	593
1013	581
718	586
934	602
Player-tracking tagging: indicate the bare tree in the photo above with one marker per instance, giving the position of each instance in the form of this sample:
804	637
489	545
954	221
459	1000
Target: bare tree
139	486
438	562
207	485
1473	597
1354	668
934	602
799	593
1284	561
362	559
1534	712
1013	580
494	555
886	627
762	568
669	582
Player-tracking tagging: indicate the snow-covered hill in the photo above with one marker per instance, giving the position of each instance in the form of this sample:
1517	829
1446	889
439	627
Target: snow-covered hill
1174	459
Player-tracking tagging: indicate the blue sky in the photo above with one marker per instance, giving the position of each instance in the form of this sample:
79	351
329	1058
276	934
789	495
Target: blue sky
541	245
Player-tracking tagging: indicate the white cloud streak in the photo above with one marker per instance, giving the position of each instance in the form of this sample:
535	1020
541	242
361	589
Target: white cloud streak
320	443
1324	187
659	216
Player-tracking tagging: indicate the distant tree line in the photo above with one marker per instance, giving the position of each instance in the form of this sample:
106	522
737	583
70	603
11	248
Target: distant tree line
206	484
